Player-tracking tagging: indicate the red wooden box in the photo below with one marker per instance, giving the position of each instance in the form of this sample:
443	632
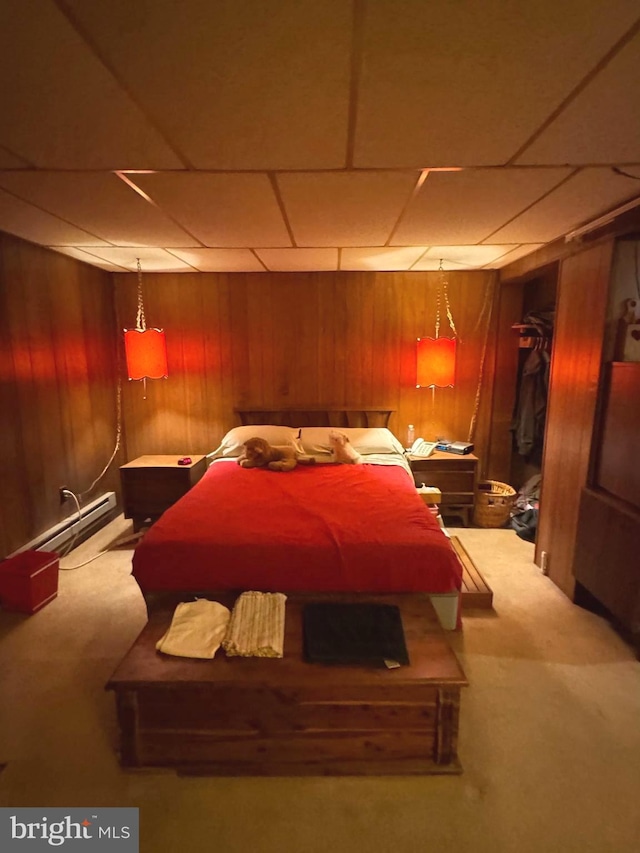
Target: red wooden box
29	580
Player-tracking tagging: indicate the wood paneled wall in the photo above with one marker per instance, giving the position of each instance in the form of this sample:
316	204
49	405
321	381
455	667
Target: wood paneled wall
575	373
295	339
58	386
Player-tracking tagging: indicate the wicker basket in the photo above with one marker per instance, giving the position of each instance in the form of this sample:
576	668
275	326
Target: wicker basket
494	501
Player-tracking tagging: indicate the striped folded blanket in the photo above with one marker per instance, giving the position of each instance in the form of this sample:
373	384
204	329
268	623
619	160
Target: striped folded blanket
256	627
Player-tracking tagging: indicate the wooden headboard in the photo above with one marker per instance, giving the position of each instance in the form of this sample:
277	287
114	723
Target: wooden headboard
312	416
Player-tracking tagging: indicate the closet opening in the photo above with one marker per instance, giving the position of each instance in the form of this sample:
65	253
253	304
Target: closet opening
531	345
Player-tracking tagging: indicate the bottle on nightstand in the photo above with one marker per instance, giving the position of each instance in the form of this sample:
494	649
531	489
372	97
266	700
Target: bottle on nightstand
411	436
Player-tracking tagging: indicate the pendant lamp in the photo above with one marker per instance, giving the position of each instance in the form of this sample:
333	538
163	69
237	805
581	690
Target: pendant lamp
436	357
145	349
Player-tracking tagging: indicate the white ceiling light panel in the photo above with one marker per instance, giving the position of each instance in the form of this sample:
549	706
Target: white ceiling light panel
345	209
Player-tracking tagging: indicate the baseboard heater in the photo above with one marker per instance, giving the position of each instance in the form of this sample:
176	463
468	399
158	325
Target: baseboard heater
56	536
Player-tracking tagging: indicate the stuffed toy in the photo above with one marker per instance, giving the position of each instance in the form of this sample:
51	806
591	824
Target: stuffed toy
342	449
258	453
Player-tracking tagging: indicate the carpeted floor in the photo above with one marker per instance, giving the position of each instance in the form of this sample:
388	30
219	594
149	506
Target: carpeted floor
549	740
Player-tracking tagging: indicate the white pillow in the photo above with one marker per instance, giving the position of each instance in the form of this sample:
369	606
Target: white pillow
315	440
233	442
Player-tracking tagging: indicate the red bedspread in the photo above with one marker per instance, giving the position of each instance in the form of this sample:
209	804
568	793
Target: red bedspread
338	528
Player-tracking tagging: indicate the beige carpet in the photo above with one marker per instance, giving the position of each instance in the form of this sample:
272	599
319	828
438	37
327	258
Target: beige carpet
549	741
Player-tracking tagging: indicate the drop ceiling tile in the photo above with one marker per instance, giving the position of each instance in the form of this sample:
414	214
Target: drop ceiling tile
11	161
151	260
514	255
588	194
602	124
100	203
61	107
86	258
223	211
445	84
345	208
426	264
384	258
298	260
235	85
26	221
219	260
471	256
465	207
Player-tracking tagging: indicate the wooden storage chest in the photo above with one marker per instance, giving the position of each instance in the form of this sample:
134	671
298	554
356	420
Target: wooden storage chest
253	716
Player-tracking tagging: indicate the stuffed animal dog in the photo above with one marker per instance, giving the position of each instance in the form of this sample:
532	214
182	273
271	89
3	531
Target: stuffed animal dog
342	449
258	453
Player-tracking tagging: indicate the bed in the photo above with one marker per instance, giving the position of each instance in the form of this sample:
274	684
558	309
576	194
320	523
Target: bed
319	528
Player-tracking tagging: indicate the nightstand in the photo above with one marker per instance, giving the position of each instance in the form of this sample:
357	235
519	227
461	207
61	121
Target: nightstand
455	476
151	484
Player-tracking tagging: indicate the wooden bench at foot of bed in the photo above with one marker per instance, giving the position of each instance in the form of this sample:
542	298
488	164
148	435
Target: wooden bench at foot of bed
287	717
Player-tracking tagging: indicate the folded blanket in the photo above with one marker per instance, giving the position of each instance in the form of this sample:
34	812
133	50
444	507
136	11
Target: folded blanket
197	629
256	628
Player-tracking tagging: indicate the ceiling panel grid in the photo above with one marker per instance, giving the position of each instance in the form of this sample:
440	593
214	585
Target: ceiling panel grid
245	136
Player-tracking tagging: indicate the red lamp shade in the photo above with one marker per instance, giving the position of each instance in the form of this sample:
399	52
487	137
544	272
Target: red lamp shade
146	352
436	362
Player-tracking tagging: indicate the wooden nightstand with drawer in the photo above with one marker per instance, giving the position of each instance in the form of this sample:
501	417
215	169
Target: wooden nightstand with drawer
151	484
455	476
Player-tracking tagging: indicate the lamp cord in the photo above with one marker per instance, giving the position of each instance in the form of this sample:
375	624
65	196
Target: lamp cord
141	321
83	494
438	305
125	540
476	407
443	282
77	522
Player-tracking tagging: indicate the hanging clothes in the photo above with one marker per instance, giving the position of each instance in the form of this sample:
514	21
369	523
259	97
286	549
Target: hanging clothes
541	321
531	409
